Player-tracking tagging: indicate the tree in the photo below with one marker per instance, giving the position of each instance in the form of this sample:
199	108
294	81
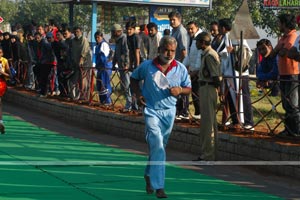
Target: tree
8	10
220	9
266	18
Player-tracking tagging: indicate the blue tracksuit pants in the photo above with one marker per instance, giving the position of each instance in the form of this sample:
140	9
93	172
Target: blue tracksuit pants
159	124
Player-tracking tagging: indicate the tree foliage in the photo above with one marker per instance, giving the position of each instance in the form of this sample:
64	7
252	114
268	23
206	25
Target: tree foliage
266	18
8	10
40	11
220	9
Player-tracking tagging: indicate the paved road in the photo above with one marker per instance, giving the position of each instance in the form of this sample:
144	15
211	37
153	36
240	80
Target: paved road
284	187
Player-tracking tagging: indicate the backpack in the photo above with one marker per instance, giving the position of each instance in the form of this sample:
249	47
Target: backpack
246	57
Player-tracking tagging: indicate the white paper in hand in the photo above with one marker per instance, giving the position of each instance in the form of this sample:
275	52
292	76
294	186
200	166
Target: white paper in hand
161	80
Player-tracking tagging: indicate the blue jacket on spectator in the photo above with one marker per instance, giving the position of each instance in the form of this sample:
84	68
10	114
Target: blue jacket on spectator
267	69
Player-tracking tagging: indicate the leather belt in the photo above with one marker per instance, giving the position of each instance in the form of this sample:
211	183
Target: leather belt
203	83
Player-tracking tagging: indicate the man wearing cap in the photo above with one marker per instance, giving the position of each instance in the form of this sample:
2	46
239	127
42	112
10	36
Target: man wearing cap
209	82
121	57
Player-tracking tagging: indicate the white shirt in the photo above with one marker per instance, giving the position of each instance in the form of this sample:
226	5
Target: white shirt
193	60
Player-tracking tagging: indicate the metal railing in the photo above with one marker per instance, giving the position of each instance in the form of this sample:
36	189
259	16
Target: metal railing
267	110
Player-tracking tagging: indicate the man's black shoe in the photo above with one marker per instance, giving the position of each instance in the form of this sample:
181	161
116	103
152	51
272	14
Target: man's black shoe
284	134
198	159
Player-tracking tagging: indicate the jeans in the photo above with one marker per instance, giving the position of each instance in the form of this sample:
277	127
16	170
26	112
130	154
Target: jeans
125	86
289	87
248	112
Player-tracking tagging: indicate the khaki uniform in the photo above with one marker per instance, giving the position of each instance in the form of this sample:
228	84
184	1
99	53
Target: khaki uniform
209	73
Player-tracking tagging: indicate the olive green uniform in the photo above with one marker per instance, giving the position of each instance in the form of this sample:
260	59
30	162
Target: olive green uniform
209	80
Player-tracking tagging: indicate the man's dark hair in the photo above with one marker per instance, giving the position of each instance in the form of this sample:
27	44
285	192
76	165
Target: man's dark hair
130	24
289	20
226	23
152	25
69	29
193	22
98	33
52	22
204	37
38	33
214	23
167	32
264	42
175	13
77	28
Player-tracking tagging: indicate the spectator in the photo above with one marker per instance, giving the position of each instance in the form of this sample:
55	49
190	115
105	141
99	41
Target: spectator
1	38
294	52
4	76
245	105
154	38
45	60
214	31
19	52
104	68
54	86
209	82
53	28
193	64
121	57
81	62
144	37
160	110
267	70
289	73
69	36
20	58
167	32
6	46
223	46
181	36
134	43
40	29
30	84
61	52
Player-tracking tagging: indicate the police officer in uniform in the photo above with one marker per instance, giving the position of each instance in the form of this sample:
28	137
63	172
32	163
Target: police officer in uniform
209	82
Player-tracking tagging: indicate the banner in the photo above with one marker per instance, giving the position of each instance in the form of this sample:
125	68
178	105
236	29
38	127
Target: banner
159	16
276	4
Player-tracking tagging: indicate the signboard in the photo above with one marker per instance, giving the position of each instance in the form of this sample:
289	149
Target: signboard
281	4
159	16
1	19
189	3
197	3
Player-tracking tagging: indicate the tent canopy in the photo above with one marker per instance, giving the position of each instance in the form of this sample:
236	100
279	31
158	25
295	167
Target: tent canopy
243	22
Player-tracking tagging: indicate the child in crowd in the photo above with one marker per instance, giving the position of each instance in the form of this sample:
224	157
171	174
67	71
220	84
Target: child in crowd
4	76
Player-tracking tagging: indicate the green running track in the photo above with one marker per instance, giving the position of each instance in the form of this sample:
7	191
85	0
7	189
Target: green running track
36	164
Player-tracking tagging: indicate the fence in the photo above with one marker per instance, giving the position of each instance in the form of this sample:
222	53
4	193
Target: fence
267	109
